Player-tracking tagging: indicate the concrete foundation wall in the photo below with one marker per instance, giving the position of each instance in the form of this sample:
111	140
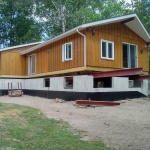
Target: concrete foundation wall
80	84
149	87
4	83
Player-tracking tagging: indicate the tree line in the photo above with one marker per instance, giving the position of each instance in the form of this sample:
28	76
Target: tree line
29	21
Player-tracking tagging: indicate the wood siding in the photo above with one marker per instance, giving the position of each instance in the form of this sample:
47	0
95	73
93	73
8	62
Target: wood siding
117	33
49	58
12	63
0	65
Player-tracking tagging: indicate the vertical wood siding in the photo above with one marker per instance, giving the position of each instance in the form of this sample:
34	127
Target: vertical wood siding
12	63
0	65
118	33
49	58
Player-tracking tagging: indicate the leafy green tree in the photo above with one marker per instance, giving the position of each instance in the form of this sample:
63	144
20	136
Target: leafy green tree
58	16
142	9
114	8
55	14
17	24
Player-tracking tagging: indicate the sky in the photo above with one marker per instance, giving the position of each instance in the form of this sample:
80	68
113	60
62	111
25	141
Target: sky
129	1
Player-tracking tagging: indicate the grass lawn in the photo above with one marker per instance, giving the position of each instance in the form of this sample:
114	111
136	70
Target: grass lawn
25	128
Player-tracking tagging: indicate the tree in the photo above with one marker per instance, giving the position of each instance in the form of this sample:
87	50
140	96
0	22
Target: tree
54	14
114	8
142	9
17	25
61	15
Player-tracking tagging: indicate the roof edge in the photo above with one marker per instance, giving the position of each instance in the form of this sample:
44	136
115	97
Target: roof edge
18	46
70	32
81	27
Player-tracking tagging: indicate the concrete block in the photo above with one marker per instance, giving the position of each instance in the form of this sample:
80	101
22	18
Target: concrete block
144	87
120	83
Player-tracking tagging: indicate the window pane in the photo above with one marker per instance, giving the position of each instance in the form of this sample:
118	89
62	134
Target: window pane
29	65
110	50
125	55
33	64
133	56
47	82
103	49
68	51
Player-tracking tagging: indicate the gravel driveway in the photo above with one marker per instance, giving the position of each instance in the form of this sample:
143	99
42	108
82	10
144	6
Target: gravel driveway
123	127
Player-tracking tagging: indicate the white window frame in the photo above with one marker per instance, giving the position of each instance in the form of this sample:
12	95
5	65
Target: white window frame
30	64
64	52
107	42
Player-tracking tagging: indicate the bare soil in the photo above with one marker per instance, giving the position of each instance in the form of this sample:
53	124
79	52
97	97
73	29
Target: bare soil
122	127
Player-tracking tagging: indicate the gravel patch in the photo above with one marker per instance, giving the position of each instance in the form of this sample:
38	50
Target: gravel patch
122	127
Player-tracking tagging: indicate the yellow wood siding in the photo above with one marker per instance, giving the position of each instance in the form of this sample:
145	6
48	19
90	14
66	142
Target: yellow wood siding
0	65
12	63
49	58
117	33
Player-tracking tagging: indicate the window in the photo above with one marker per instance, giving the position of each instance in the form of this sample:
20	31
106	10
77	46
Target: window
31	64
107	49
129	55
68	83
67	51
47	82
102	82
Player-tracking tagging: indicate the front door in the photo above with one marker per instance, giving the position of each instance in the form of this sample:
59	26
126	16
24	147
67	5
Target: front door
129	56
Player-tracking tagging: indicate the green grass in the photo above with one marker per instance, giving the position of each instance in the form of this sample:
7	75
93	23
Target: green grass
24	128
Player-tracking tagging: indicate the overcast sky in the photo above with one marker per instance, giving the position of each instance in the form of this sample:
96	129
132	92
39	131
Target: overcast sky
129	1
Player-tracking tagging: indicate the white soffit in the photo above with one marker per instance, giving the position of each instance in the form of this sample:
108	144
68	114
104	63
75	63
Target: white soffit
134	25
138	28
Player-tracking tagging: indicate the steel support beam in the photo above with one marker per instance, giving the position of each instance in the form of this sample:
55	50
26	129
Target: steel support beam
117	73
96	103
144	77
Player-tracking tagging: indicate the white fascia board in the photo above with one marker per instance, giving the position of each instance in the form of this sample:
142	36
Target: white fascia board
18	46
108	21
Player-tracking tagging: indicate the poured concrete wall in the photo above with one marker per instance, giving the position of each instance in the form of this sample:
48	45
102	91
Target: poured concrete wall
4	83
149	87
80	84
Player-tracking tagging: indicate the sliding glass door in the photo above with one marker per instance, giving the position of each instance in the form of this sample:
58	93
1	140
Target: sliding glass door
129	56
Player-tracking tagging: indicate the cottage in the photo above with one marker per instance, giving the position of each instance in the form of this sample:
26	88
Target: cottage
105	60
